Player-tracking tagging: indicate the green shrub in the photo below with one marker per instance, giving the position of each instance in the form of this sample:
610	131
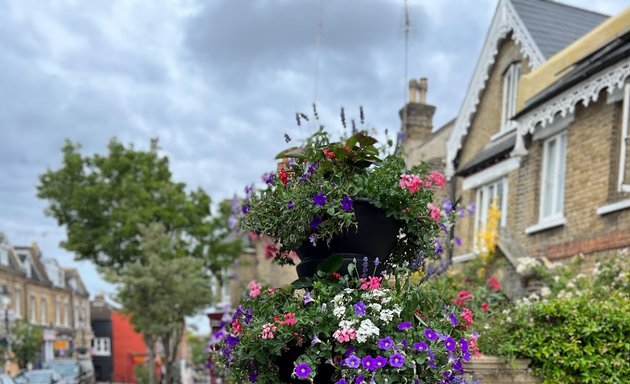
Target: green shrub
580	334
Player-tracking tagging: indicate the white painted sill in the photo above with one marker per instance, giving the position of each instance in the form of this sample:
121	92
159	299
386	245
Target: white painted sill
463	258
546	224
614	207
503	132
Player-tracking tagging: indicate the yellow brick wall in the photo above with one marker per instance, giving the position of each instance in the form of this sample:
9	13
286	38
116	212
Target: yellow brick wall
486	122
590	182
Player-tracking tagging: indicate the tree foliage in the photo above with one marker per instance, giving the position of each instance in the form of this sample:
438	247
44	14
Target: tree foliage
102	199
26	340
162	290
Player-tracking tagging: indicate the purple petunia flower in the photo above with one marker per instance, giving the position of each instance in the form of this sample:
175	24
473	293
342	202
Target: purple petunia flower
248	315
386	343
341	381
450	344
463	343
404	326
471	208
458	241
313	240
291	204
461	212
231	340
249	190
453	318
430	334
420	346
315	340
316	222
359	380
396	360
308	298
404	343
253	376
268	177
368	363
245	209
319	199
346	204
448	206
353	361
458	366
302	370
359	308
380	361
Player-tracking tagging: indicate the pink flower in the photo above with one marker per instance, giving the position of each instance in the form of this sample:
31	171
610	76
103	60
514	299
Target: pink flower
434	212
267	331
289	319
412	183
236	327
484	307
462	297
345	334
271	251
372	283
254	288
467	318
437	178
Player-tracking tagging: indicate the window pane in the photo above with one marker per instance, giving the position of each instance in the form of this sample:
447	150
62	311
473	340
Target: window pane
562	142
549	159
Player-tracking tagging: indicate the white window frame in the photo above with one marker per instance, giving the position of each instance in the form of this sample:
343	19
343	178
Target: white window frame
58	312
557	177
481	211
17	302
510	94
43	309
101	346
625	140
33	309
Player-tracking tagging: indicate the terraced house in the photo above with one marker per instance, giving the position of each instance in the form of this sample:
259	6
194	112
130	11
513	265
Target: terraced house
40	291
544	132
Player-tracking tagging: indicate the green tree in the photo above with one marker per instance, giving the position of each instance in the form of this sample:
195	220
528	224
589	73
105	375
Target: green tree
160	292
26	341
102	199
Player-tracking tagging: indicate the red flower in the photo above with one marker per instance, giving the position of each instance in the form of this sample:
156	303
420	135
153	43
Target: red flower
284	176
462	297
484	307
236	327
493	284
329	154
336	275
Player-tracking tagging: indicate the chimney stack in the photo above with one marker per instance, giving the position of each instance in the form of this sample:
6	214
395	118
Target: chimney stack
417	116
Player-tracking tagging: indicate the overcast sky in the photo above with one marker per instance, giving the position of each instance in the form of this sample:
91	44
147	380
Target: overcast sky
218	82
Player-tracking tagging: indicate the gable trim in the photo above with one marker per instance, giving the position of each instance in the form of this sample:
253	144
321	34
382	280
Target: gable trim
564	104
504	21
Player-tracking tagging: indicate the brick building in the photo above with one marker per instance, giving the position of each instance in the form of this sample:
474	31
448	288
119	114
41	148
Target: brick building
47	295
543	132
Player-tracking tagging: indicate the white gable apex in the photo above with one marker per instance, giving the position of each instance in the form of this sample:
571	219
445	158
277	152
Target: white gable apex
505	20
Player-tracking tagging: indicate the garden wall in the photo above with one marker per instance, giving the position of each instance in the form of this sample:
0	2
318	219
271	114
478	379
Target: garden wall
494	370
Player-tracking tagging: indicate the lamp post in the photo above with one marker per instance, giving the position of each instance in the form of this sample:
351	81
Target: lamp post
4	298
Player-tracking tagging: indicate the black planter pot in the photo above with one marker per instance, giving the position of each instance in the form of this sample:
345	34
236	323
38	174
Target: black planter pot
374	238
286	365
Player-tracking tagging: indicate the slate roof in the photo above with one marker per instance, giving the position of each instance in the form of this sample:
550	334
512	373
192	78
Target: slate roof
491	154
553	25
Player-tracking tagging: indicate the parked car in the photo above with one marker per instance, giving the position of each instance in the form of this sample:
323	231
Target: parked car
6	379
39	376
74	371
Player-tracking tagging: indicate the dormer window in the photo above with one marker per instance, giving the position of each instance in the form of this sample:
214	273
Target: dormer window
510	90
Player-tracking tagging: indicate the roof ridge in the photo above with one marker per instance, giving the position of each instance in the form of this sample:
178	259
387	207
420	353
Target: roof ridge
574	7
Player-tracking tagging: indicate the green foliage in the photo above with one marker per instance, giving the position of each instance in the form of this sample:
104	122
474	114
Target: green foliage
141	373
102	199
26	341
160	292
259	338
347	169
579	333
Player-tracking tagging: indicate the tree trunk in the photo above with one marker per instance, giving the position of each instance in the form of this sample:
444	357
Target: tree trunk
150	341
170	341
